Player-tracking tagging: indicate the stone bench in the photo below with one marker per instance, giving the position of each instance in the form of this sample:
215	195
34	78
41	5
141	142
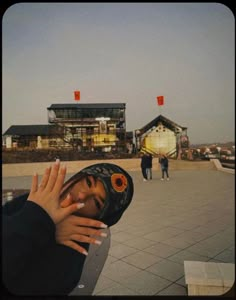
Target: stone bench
208	278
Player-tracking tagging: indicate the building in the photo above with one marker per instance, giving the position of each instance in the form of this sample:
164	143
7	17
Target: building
162	136
85	127
28	136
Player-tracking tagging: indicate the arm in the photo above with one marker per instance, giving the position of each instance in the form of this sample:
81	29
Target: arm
55	271
26	232
15	205
39	266
29	235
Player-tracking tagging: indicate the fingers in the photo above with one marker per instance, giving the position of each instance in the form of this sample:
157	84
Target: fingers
88	222
44	180
70	209
67	201
60	180
34	184
85	239
53	176
89	231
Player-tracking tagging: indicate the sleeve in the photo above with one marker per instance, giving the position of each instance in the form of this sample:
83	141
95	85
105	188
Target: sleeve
24	233
15	205
55	271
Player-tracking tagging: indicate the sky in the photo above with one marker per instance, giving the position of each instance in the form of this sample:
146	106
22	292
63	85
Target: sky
122	53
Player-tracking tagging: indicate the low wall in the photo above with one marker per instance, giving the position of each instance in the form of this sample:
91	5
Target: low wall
27	169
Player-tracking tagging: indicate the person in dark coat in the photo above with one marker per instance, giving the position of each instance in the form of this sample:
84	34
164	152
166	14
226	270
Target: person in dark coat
163	160
144	165
149	166
46	233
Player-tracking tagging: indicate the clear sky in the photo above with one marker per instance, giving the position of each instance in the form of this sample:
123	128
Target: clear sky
122	53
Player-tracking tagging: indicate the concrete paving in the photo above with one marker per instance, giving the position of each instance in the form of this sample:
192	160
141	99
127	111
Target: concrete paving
191	217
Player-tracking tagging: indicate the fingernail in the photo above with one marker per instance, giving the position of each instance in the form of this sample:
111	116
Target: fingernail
57	161
103	226
85	253
98	242
35	173
80	205
103	234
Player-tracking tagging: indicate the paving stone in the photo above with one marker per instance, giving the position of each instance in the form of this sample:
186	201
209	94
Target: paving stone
183	255
181	281
178	242
145	283
119	270
162	250
201	249
141	259
117	290
158	236
121	250
174	290
227	256
167	269
122	236
139	243
102	284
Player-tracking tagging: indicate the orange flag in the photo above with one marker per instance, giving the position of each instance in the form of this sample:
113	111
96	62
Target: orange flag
77	95
160	100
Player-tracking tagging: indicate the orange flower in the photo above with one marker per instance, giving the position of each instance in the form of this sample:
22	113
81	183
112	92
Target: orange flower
118	182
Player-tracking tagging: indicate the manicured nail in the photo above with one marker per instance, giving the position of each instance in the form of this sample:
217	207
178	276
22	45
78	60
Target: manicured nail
57	161
80	205
98	242
85	253
103	234
103	226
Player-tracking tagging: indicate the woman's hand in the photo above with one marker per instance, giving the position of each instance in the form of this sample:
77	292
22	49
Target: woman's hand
74	228
47	194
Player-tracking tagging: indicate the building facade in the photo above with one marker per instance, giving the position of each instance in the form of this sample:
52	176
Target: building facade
84	127
162	136
98	127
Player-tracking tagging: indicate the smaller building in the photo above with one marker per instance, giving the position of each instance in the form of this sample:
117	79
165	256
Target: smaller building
28	136
162	136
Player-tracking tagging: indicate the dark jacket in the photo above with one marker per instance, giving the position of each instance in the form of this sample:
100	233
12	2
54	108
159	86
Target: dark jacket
32	262
164	162
149	161
144	161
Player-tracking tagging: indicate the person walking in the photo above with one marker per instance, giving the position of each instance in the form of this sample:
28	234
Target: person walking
144	165
149	166
163	160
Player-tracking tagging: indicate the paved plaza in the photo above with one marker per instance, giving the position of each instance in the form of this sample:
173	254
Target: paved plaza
189	218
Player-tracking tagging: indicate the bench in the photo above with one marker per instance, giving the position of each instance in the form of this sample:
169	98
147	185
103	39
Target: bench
208	278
